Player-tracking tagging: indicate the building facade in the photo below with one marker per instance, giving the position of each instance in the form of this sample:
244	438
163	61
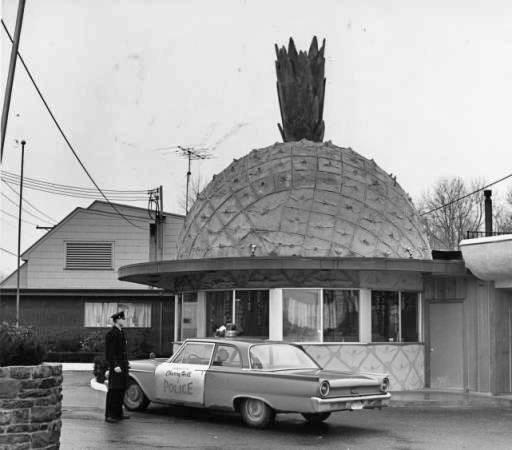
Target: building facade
69	283
310	243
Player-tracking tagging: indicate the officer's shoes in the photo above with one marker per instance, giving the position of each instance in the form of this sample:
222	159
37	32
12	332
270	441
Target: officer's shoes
112	420
125	416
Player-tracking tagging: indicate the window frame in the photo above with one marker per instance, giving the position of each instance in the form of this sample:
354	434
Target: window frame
108	325
217	346
173	358
297	346
419	317
358	290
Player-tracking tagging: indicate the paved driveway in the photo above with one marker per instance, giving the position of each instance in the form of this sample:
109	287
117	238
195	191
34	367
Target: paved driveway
478	427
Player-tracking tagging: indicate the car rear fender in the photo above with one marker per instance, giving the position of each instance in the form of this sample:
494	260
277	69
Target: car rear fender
237	401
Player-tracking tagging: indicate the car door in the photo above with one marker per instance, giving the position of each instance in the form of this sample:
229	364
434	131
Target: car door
181	380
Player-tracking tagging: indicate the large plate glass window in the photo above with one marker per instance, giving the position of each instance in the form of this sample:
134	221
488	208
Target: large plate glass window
188	311
395	316
341	315
302	311
385	316
219	308
251	312
409	303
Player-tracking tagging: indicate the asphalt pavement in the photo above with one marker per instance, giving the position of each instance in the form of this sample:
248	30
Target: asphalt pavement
454	424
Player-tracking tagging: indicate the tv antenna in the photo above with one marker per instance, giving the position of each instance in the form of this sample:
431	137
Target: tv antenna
192	153
200	151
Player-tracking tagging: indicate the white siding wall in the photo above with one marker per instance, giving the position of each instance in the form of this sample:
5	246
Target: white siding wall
10	281
46	268
172	228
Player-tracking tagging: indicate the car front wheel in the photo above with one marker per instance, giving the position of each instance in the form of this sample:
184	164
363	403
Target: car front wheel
316	417
256	413
134	397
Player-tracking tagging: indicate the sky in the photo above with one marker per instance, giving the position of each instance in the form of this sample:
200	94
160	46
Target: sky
423	88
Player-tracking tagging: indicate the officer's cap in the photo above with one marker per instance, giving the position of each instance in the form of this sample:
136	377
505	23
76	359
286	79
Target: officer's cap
118	315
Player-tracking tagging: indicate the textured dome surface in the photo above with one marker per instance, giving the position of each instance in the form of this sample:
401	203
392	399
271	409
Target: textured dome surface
303	199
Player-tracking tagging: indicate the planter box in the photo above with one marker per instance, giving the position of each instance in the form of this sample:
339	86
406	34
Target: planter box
30	406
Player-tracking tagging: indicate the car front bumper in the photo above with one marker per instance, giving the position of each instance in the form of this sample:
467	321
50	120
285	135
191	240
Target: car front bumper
349	403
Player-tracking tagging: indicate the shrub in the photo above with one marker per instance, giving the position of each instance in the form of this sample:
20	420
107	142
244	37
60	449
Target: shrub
20	346
138	344
100	367
93	342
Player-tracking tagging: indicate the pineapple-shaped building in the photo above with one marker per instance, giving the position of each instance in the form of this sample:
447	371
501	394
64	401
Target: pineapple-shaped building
304	241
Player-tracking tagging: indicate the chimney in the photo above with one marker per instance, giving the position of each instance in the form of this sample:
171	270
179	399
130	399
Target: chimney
488	212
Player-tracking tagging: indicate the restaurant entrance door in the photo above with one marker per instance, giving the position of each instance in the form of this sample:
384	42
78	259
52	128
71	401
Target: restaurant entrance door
446	345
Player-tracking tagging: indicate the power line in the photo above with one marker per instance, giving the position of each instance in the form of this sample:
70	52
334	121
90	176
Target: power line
76	192
30	204
16	217
467	195
8	251
74	187
63	134
24	209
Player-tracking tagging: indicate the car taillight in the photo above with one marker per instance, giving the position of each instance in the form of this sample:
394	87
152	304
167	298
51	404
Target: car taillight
324	388
384	387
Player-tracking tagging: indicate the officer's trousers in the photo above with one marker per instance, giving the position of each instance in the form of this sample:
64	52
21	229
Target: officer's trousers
114	404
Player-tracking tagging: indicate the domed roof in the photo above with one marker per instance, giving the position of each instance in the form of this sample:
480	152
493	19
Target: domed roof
303	199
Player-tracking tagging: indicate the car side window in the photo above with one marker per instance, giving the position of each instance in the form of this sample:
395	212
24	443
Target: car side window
227	356
195	353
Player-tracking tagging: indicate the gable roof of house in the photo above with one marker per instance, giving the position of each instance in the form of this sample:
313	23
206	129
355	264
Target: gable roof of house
92	208
96	203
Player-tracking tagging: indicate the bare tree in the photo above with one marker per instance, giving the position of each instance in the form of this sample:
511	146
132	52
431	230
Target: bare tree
197	184
502	214
447	226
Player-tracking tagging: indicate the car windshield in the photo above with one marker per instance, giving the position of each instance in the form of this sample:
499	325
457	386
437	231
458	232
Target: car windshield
280	356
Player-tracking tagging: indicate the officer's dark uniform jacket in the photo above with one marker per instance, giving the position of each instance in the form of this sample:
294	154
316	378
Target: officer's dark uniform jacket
116	356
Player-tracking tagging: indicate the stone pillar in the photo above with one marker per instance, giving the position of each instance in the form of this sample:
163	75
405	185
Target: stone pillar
30	406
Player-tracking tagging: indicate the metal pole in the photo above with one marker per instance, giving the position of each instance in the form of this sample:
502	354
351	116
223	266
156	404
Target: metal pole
488	212
19	236
160	221
12	69
188	180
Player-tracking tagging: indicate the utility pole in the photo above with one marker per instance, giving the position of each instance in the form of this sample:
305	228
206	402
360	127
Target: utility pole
160	224
189	173
19	236
10	74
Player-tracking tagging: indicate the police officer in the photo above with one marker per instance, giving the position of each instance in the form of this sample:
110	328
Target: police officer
115	354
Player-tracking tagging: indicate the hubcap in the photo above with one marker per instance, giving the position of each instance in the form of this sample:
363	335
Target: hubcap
133	395
255	409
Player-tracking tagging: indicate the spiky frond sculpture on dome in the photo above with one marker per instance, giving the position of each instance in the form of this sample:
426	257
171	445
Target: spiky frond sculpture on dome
301	90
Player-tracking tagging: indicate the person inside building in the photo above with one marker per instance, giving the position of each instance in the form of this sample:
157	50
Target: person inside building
117	359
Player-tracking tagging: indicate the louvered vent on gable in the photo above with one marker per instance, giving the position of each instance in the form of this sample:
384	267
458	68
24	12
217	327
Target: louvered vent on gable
89	255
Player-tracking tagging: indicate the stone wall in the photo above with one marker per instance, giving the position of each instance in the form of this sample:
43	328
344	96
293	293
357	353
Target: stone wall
30	406
405	363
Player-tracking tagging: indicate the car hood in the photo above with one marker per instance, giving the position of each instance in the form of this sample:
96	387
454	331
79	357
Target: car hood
146	364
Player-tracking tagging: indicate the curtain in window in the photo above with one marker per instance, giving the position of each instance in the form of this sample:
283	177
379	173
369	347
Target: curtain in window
97	314
301	314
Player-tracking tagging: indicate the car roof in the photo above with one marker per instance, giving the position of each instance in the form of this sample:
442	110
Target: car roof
237	341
